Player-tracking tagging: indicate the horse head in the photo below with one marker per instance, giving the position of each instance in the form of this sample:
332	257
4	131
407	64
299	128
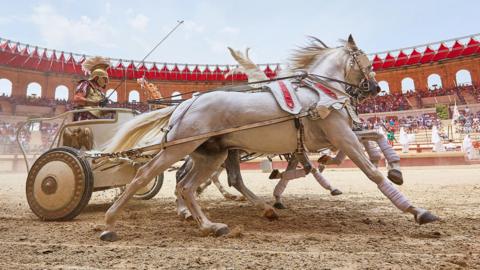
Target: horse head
359	72
347	66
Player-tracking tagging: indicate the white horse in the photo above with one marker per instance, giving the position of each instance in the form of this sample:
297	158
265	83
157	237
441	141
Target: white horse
216	111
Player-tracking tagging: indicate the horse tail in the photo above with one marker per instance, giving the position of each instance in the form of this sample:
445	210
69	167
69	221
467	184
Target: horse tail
142	130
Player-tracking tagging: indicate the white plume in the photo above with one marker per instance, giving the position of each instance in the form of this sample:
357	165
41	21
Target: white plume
247	66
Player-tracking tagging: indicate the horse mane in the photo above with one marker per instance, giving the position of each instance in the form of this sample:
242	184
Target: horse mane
304	56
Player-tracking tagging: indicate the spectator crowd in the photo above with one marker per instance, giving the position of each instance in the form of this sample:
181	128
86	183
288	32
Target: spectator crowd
400	102
35	139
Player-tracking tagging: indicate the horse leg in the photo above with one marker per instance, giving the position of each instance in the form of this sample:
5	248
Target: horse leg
350	145
227	195
282	184
324	182
393	160
204	185
182	210
325	160
307	164
144	175
235	179
204	166
268	211
372	151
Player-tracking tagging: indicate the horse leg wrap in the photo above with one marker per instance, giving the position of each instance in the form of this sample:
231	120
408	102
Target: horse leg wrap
390	154
394	195
280	187
394	165
321	180
293	174
373	152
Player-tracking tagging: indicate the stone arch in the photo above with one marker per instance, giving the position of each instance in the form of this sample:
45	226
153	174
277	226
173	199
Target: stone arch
113	97
34	89
176	95
134	96
463	77
61	92
408	84
434	81
5	87
385	88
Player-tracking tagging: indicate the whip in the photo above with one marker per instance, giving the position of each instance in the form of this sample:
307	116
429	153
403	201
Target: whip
148	54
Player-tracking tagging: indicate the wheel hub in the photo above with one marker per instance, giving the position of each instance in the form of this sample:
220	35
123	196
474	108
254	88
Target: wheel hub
49	185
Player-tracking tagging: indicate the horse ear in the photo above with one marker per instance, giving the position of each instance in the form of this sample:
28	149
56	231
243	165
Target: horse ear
351	43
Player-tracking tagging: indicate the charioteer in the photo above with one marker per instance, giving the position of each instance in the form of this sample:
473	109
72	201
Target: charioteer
90	92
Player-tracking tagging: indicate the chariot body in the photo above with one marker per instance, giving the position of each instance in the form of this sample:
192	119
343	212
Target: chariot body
60	181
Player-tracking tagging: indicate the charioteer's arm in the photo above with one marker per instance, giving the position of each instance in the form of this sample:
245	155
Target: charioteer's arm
81	97
81	100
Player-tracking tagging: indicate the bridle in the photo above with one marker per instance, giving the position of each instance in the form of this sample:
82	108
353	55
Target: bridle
367	85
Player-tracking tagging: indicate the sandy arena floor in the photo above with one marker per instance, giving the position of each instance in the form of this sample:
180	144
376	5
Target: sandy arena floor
359	229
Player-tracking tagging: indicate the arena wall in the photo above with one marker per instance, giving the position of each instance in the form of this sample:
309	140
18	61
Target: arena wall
21	78
56	73
447	70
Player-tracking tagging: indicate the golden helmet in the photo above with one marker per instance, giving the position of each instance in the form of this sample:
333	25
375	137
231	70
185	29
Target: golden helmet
96	67
99	72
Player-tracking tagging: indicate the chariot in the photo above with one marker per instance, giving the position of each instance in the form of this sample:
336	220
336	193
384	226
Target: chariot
60	181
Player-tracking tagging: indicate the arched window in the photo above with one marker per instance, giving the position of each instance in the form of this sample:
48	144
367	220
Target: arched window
61	92
408	85
176	95
434	81
463	77
385	88
134	96
5	87
113	97
34	90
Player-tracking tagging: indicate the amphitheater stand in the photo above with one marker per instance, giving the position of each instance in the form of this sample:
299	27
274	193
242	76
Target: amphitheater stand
469	98
414	102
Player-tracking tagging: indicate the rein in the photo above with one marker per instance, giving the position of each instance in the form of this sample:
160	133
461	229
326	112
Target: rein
333	80
297	76
137	152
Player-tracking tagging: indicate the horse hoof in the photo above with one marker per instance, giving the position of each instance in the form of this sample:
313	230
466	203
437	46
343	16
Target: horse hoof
222	231
270	214
336	192
395	176
185	214
235	198
321	167
240	199
109	236
275	174
279	205
426	217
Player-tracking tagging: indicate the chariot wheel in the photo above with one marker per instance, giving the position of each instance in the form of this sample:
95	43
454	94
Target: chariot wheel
151	189
59	184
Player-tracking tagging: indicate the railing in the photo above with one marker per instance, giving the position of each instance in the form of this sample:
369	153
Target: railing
64	117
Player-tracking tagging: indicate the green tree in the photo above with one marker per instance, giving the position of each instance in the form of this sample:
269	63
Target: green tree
442	111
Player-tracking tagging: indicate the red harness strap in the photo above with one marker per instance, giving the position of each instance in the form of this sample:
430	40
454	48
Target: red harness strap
286	94
327	91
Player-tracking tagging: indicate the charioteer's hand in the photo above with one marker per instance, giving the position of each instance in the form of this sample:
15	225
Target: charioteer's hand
103	102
